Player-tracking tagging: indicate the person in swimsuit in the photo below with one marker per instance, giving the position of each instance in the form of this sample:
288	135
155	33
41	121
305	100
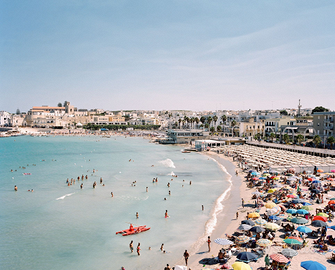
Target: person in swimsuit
131	246
166	214
138	249
186	256
209	243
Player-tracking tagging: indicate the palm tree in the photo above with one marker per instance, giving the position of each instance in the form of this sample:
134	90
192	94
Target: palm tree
219	128
186	119
179	120
197	120
209	120
202	119
286	138
224	118
212	129
331	141
300	138
206	125
316	140
215	118
233	124
272	136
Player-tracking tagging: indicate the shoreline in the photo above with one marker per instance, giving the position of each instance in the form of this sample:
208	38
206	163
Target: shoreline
225	218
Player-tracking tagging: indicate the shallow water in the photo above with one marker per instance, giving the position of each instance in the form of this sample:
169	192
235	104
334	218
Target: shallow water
65	227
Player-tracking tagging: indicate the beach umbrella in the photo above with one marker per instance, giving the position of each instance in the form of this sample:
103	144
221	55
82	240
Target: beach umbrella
262	178
320	170
316	182
322	214
296	238
240	266
255	173
333	171
292	196
279	258
273	211
271	190
332	227
305	203
246	256
332	199
319	223
242	239
270	205
331	202
302	212
291	211
297	201
257	229
260	221
307	208
248	222
253	215
315	191
271	226
313	265
257	193
244	227
274	218
292	242
264	242
304	229
320	218
299	220
255	178
223	241
288	252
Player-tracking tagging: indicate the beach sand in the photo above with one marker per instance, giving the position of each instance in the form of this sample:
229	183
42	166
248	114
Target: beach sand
228	224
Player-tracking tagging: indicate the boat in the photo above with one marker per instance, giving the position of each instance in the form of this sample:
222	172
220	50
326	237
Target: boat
133	230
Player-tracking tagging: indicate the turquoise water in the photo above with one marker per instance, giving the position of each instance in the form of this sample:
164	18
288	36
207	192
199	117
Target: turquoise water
65	227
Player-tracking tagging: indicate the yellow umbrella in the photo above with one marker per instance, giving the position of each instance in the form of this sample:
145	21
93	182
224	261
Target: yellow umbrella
322	214
253	215
270	205
271	190
240	266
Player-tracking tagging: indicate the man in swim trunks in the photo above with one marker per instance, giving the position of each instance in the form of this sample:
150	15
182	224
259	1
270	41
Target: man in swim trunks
131	246
138	249
186	256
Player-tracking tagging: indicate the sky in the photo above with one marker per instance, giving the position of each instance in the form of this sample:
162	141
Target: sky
167	55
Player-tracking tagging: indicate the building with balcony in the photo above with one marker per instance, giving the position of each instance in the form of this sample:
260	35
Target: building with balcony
323	123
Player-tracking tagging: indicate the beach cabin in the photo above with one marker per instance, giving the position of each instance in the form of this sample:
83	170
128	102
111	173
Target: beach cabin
205	145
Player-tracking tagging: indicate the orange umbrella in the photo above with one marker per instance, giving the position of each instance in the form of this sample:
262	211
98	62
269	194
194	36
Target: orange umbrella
331	202
320	218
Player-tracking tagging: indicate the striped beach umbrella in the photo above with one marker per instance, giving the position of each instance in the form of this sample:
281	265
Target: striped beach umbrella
244	227
257	193
260	221
242	239
257	229
272	226
223	241
296	238
275	218
270	205
279	258
274	211
264	242
248	222
308	208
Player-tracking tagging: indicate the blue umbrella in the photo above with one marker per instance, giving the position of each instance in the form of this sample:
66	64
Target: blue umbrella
302	212
304	229
274	218
305	203
332	227
262	178
298	201
316	182
291	211
254	173
299	220
246	256
313	265
248	222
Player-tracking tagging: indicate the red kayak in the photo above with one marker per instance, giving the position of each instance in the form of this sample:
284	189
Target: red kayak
133	230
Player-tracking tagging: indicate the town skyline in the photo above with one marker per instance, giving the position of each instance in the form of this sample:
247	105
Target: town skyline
192	55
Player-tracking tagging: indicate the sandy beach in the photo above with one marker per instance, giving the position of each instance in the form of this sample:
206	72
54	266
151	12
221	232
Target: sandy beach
228	224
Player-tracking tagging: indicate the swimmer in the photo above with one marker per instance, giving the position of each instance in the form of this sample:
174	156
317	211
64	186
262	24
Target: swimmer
112	194
190	182
131	246
149	248
81	186
100	180
146	189
138	249
168	184
202	207
162	247
137	215
15	188
164	199
169	192
166	214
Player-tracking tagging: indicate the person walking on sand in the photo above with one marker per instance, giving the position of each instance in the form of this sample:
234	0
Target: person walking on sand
242	202
138	249
236	215
186	256
209	243
131	246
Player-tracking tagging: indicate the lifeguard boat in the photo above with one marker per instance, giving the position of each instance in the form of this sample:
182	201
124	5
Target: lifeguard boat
133	230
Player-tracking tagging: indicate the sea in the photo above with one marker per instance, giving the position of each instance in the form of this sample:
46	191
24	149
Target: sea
60	226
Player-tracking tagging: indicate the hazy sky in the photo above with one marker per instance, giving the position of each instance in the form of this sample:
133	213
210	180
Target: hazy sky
183	54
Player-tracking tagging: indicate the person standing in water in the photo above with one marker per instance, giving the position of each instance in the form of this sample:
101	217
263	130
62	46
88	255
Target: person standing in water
131	246
15	188
138	249
136	214
186	256
166	214
209	243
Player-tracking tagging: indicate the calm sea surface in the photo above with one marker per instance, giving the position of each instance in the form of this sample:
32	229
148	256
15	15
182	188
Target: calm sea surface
64	227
